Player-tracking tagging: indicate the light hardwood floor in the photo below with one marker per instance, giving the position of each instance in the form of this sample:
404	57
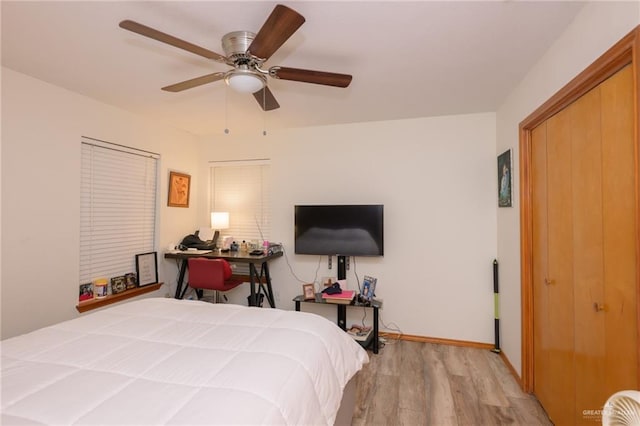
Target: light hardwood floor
410	383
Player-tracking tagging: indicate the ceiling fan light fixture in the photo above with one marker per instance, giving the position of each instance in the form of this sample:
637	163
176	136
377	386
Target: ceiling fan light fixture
245	81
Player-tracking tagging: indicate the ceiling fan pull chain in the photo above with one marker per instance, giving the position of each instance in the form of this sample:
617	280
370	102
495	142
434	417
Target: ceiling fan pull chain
264	112
226	110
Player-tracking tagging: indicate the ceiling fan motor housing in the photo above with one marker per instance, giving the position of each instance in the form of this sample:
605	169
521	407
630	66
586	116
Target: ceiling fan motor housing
235	45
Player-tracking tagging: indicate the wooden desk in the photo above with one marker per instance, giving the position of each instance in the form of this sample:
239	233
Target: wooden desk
257	280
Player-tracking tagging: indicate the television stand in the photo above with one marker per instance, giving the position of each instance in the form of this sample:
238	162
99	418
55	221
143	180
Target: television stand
372	340
342	267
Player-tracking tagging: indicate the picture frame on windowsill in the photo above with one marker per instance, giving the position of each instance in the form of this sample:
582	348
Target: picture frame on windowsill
147	268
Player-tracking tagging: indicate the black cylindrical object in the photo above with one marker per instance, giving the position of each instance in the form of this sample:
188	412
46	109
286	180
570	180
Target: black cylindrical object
342	267
496	307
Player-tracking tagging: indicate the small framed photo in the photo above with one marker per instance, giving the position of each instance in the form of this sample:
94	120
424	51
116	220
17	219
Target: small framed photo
504	179
308	291
147	268
131	280
368	288
118	284
179	186
86	292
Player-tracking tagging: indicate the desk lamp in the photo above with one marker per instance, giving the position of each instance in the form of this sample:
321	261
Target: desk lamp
219	221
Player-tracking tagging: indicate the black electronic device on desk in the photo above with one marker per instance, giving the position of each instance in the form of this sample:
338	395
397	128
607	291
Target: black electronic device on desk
193	241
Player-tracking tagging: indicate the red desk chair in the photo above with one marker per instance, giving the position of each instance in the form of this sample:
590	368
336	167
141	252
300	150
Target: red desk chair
210	274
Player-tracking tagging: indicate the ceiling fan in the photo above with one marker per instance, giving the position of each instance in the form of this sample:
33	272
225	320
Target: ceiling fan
246	52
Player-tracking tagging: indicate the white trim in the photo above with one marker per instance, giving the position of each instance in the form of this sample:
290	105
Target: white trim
251	162
117	147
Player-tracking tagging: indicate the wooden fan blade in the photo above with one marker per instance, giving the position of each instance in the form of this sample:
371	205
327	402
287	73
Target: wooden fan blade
266	99
169	39
194	82
277	29
309	76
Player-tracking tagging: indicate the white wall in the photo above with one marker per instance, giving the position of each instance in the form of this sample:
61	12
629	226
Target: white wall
436	179
598	26
41	129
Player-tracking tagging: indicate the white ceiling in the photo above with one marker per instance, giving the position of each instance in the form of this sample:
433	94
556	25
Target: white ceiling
408	59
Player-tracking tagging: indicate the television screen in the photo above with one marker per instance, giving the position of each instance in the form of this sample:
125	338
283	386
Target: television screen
347	230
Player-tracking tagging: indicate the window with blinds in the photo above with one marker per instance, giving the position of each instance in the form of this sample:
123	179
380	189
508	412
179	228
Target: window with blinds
243	190
117	208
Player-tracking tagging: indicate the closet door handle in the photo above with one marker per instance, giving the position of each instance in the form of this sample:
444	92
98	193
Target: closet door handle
549	281
599	307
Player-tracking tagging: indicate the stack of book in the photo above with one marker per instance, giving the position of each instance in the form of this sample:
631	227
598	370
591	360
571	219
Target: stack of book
343	298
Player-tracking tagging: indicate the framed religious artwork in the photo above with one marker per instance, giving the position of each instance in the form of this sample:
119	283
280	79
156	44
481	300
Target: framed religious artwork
504	179
179	186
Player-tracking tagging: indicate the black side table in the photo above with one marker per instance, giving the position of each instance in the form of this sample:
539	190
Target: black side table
342	316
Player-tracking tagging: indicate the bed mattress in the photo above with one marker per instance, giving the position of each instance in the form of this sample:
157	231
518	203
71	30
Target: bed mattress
167	361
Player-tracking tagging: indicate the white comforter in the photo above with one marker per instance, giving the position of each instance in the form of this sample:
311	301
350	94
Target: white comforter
167	361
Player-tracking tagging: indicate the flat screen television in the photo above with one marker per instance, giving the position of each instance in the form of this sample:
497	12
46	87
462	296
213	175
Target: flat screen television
344	230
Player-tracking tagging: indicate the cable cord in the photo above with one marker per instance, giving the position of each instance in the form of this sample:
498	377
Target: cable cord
286	258
395	328
392	326
364	308
355	272
364	316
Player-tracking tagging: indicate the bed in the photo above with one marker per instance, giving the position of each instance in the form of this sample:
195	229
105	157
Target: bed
168	361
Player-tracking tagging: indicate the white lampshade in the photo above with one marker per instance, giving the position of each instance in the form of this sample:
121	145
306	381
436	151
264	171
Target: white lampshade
245	82
219	220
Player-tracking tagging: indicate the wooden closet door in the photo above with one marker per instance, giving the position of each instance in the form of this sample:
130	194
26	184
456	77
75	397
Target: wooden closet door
588	252
620	229
604	247
560	278
541	321
584	252
554	382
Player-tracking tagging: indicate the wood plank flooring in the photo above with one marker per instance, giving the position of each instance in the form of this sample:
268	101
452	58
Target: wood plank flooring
411	383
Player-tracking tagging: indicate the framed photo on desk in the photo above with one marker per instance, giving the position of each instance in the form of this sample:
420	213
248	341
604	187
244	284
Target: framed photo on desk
147	268
308	291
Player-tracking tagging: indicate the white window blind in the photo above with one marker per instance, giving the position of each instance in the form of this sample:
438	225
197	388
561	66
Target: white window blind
243	190
117	208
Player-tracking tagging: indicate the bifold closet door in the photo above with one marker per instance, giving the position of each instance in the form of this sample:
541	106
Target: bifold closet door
604	243
618	309
584	252
554	376
588	252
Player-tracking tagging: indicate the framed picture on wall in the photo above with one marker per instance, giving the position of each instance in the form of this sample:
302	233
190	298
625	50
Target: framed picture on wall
504	179
179	186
